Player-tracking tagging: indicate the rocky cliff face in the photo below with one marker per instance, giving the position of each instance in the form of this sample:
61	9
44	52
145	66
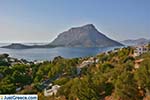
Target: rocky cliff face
85	36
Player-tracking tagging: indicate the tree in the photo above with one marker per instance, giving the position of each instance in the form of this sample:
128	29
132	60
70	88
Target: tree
4	63
7	88
143	76
20	67
79	88
61	81
125	87
149	46
106	67
20	78
3	56
7	71
38	77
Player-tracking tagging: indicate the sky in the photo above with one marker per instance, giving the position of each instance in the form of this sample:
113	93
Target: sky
43	20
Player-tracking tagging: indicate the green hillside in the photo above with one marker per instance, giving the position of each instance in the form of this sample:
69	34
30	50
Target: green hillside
108	75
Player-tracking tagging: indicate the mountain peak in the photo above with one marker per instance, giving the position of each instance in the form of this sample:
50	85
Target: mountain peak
89	26
84	27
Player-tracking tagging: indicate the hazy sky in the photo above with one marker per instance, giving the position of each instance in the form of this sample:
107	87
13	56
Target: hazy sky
43	20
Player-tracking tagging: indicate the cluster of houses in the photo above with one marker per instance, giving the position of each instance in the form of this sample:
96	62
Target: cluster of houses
138	51
141	49
88	62
13	61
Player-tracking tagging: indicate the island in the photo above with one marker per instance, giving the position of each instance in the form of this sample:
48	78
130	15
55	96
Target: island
84	36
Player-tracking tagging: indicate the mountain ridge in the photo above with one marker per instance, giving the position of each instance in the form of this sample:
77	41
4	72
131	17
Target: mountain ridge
134	42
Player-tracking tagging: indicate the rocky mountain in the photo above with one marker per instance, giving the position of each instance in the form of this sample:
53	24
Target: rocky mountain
134	42
84	36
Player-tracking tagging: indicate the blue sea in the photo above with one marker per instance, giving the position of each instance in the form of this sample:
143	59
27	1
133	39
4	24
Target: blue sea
50	53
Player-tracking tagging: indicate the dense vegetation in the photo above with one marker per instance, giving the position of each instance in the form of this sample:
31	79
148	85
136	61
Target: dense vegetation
113	76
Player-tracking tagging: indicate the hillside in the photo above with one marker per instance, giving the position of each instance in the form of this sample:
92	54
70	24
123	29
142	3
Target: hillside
107	76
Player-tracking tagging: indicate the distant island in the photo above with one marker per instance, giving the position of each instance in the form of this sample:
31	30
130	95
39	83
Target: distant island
84	36
134	42
22	46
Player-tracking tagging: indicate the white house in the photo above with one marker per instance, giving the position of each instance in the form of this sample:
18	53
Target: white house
18	89
52	91
140	50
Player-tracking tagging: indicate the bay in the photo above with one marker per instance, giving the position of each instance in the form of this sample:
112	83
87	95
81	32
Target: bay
42	54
